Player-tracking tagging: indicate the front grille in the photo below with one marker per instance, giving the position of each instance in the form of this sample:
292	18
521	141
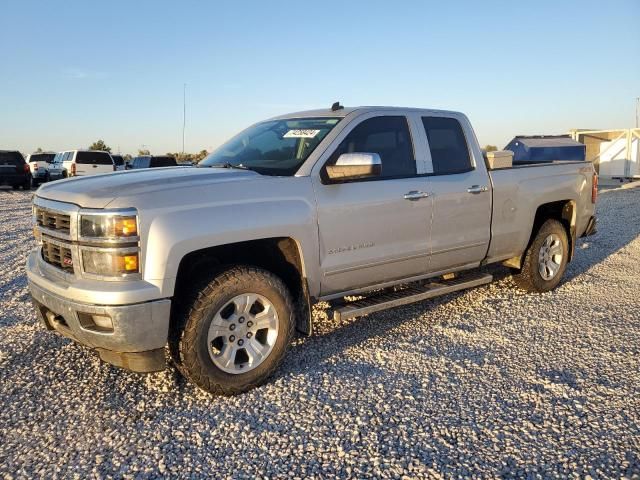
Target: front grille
60	222
57	255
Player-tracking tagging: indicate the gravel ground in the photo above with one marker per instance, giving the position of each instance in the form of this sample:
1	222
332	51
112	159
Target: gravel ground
488	383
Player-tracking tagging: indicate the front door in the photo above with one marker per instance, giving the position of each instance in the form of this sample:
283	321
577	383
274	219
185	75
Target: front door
375	230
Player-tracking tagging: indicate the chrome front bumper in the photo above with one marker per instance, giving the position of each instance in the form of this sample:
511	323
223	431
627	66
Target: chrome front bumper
135	338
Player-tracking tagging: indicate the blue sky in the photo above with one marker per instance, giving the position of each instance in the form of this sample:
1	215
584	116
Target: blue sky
76	71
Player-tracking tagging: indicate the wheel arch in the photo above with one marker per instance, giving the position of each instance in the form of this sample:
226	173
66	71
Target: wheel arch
562	210
281	256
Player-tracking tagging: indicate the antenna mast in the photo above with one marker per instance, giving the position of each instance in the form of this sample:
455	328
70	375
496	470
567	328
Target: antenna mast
184	113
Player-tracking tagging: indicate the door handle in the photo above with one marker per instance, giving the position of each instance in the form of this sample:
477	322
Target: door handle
415	195
477	189
95	166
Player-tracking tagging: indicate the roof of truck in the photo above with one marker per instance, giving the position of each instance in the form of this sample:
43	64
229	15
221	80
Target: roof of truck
344	111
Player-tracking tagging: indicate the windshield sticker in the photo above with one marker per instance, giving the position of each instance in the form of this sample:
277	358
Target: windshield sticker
301	133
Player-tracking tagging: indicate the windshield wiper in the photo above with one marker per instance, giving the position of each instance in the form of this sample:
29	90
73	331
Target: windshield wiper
229	165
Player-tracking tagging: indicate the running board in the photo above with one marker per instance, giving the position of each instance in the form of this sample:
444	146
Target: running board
411	294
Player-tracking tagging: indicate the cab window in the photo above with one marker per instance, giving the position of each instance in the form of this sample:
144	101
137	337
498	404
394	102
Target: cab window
448	146
94	158
389	137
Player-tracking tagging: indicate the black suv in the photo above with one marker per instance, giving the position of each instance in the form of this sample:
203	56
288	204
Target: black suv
14	170
152	161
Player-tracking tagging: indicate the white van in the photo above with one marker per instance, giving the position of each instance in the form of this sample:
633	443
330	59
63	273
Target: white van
79	163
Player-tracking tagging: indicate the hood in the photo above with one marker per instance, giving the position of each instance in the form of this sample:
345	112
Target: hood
98	191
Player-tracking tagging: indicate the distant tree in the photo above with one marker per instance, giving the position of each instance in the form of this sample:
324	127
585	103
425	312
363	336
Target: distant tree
201	155
127	157
144	152
188	157
100	145
490	148
39	150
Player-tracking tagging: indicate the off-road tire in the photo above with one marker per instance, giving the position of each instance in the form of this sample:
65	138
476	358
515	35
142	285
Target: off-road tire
528	277
190	350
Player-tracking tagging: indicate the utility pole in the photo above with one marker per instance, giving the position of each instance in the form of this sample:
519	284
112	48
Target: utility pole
184	113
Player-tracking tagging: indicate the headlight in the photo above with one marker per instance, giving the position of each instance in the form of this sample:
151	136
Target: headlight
113	226
110	263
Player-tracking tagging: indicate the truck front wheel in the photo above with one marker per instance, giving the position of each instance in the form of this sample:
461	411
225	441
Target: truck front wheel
235	331
545	260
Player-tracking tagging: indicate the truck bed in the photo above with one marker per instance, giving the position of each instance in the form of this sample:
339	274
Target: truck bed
519	189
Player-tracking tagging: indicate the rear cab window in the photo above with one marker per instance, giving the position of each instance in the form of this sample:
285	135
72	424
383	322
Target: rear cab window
42	157
448	145
94	158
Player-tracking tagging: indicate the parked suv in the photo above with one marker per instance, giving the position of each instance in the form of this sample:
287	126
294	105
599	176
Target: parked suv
152	161
38	165
80	163
14	170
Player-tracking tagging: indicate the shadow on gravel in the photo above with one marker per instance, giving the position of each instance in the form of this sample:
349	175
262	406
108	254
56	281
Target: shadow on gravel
310	353
615	232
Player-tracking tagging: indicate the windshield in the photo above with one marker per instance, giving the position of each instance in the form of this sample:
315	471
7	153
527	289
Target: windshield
277	147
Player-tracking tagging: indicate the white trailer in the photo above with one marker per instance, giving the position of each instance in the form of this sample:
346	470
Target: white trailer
615	153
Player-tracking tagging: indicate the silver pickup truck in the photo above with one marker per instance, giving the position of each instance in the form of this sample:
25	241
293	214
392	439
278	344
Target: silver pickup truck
218	265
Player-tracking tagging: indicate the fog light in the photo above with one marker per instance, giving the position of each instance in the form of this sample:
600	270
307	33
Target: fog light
102	321
98	323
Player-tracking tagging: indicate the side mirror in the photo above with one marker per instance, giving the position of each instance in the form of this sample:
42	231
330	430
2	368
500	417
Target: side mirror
353	166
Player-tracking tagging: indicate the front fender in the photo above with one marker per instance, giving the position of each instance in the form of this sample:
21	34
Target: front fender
174	234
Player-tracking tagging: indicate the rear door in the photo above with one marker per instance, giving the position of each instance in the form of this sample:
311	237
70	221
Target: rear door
373	231
459	184
93	163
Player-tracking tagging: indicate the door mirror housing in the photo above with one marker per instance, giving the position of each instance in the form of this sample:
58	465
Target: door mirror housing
355	166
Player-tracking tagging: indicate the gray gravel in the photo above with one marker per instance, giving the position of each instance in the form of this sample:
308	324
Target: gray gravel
490	383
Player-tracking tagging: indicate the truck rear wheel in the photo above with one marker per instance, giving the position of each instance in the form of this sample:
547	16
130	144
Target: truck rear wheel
545	260
235	331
